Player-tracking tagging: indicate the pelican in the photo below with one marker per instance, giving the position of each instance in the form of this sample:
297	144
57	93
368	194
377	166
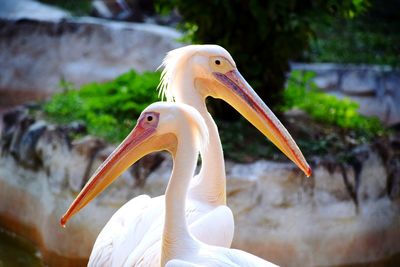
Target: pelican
191	74
179	129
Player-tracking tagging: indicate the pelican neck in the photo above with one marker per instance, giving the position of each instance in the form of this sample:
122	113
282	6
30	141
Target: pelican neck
176	233
210	185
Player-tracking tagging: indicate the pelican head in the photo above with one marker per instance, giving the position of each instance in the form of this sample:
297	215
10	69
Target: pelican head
194	72
194	63
158	128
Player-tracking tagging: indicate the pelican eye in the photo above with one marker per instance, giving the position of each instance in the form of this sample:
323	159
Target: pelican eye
149	118
217	62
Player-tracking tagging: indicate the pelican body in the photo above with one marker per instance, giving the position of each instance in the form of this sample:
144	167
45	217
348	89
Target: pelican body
132	237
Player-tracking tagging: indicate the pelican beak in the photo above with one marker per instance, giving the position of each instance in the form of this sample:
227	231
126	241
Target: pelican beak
243	98
140	142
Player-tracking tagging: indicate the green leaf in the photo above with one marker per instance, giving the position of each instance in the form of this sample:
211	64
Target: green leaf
109	109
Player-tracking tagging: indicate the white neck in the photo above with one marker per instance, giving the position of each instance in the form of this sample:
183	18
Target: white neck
176	237
210	187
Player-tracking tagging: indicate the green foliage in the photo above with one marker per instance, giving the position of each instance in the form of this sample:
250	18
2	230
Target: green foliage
262	36
303	94
373	37
109	109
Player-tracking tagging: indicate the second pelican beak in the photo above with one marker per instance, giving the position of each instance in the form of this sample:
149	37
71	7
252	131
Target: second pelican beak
140	142
243	98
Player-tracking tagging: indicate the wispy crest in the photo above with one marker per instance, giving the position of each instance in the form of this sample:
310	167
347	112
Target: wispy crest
171	64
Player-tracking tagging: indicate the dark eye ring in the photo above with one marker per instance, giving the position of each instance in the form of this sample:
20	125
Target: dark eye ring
218	62
149	118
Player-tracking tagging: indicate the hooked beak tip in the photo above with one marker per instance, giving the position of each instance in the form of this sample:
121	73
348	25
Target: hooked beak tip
63	221
308	171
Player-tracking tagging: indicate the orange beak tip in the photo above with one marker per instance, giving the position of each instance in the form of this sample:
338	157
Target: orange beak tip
63	221
309	171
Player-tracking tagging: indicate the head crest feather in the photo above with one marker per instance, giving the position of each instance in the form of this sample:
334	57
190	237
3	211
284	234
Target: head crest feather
171	64
176	60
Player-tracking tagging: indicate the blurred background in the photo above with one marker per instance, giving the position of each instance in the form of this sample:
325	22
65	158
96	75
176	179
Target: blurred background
75	75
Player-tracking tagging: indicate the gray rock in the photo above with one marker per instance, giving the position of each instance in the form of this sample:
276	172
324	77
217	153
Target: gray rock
9	126
359	83
384	108
20	129
77	50
28	9
86	149
53	149
327	81
316	67
373	183
27	147
392	84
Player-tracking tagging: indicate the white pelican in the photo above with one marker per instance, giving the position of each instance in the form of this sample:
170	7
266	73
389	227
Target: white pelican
179	129
191	74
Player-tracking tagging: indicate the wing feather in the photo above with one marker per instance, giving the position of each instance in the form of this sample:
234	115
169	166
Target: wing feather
133	234
180	263
222	234
122	233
